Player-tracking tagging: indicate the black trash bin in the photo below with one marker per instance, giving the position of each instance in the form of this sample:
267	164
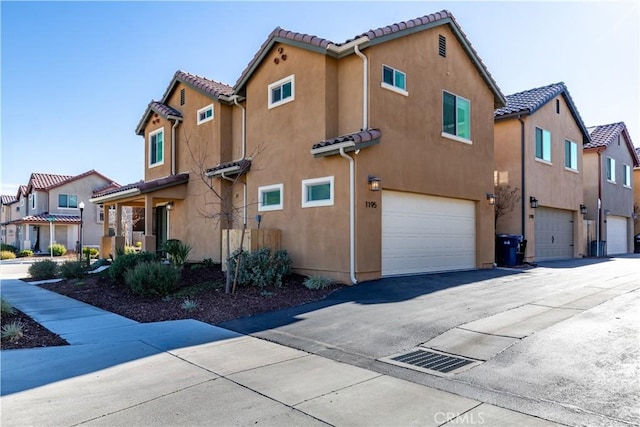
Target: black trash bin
598	250
636	245
507	246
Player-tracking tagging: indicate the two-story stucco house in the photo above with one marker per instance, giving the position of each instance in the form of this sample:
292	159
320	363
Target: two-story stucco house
310	130
49	211
636	204
539	137
608	184
10	210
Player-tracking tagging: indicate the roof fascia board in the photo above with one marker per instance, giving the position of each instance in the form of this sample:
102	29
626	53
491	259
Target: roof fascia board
115	196
186	83
332	150
514	115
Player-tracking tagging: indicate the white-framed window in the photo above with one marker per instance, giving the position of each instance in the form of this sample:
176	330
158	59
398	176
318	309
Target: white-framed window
282	91
270	198
611	169
32	201
100	213
205	114
626	174
543	145
570	155
67	201
456	116
156	147
317	192
394	80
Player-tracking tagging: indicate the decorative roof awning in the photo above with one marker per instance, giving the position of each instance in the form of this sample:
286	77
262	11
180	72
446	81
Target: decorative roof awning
349	142
235	168
139	188
46	218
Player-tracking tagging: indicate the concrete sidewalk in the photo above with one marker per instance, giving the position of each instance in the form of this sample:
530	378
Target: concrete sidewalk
120	372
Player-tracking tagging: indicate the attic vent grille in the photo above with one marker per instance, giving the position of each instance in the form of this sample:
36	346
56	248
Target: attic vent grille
181	96
442	45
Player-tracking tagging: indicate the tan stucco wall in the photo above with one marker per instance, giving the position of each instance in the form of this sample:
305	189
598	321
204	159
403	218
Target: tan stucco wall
551	183
636	199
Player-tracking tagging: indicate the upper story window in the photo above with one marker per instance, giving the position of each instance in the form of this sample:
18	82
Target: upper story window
67	201
156	144
270	198
394	80
205	114
456	116
543	145
32	202
571	155
317	192
282	91
611	169
626	175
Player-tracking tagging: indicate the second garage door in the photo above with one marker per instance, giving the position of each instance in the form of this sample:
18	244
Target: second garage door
554	234
424	234
616	235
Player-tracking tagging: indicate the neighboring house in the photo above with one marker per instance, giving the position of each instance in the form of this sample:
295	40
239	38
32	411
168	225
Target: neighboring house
310	127
608	184
10	210
539	137
636	199
50	211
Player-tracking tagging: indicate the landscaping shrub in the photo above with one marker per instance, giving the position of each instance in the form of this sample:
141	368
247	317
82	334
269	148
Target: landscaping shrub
261	268
90	252
318	282
6	307
128	261
153	279
43	269
7	255
178	252
13	331
10	248
25	253
72	270
57	249
130	250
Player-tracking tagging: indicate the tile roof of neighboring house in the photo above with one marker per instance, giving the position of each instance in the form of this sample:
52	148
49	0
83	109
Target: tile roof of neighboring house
7	200
47	181
142	187
22	191
45	219
529	101
237	167
603	135
203	85
360	139
376	36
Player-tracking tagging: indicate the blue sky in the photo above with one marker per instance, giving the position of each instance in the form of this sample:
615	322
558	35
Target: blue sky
76	77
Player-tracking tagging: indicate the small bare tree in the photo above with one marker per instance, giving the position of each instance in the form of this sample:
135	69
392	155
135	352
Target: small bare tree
506	200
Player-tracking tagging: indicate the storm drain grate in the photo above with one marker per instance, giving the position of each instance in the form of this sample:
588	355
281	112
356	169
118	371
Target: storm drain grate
433	361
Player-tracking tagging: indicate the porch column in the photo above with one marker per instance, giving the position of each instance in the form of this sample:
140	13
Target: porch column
118	239
105	241
149	240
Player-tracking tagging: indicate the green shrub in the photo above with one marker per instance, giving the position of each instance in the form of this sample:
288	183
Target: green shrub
13	331
90	252
128	261
25	253
10	248
153	279
178	252
6	307
43	269
57	249
189	305
318	282
72	270
261	268
7	255
209	263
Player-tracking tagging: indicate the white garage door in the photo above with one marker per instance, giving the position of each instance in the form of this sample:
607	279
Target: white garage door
424	234
616	235
554	234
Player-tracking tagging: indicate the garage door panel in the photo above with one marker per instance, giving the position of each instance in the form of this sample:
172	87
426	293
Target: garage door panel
616	235
423	234
553	234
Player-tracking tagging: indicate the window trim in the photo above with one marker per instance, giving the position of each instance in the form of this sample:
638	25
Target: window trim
151	134
574	145
455	136
393	87
67	207
626	173
206	119
281	82
542	159
265	189
611	169
33	203
306	183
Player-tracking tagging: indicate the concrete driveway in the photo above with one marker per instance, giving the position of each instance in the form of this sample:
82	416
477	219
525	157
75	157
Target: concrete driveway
560	341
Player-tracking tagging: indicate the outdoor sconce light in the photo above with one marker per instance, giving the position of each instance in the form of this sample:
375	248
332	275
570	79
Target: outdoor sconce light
491	198
583	209
533	202
374	183
170	206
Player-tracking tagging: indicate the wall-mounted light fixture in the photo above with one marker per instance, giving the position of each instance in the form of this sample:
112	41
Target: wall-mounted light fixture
374	183
583	209
169	206
491	198
533	202
607	212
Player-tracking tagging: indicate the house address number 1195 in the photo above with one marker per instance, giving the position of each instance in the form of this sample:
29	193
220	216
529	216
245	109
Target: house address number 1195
371	205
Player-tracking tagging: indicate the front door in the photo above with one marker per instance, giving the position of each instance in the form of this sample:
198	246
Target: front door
36	232
161	226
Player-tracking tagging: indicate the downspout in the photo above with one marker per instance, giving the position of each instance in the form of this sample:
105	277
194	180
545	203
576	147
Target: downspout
244	149
352	217
365	88
522	166
598	225
173	145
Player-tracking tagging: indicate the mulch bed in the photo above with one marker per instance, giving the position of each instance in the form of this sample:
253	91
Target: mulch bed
34	335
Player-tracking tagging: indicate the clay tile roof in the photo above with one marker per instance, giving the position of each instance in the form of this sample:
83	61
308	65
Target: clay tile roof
208	87
243	166
603	135
22	191
111	190
45	218
145	187
42	181
357	137
7	200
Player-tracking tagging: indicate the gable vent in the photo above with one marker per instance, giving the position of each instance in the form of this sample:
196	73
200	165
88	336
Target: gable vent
182	96
442	45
